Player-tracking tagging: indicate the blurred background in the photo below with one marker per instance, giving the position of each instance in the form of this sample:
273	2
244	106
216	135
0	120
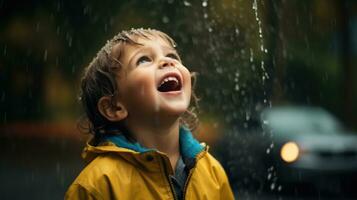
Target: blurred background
277	82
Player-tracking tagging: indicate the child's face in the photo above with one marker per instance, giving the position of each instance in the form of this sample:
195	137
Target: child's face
153	81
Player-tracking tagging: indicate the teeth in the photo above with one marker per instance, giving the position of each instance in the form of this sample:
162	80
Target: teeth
171	78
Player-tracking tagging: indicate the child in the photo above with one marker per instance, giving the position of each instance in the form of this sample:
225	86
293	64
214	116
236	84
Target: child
136	94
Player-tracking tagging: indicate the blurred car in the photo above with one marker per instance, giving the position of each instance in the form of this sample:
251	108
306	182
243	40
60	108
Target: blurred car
295	148
311	146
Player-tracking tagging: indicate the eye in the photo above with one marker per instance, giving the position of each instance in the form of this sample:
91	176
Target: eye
142	60
174	56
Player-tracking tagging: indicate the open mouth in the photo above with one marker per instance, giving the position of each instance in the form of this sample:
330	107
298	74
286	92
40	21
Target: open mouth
169	83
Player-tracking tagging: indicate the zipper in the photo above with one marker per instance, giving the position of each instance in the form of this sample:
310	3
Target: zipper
199	156
168	177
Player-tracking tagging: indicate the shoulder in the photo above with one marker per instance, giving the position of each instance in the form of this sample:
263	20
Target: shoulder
105	170
212	166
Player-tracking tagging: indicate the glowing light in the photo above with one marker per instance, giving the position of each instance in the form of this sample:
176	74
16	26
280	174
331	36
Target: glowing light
289	152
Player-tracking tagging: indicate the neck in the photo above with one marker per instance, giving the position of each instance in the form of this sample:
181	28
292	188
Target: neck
163	137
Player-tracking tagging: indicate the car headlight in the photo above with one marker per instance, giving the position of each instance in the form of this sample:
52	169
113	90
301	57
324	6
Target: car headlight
290	152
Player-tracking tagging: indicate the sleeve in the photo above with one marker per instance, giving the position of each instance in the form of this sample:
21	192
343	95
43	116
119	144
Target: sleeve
79	192
226	191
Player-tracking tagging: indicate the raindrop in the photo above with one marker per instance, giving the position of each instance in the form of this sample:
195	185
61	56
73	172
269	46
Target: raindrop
57	61
271	168
186	3
237	87
58	6
5	50
86	10
210	29
70	41
58	30
265	122
204	3
268	151
37	26
269	176
3	96
280	187
262	65
242	92
272	186
30	94
165	19
45	56
205	15
219	70
170	1
237	31
5	117
58	168
255	5
247	116
251	59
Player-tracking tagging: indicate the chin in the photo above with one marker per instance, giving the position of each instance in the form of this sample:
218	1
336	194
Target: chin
176	109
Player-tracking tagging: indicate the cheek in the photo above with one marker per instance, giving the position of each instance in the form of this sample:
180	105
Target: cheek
139	87
187	80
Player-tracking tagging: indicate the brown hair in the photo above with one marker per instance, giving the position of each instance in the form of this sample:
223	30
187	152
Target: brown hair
99	80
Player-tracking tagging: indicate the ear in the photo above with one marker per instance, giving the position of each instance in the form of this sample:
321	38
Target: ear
111	112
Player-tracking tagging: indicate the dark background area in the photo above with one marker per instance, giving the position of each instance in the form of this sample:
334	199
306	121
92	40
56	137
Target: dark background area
249	55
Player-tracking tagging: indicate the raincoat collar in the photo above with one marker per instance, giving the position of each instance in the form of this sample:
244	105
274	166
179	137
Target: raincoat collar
189	146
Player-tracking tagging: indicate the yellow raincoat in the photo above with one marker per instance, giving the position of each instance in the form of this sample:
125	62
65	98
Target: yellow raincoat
125	171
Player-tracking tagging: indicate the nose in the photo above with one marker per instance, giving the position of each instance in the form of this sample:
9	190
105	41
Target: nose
166	63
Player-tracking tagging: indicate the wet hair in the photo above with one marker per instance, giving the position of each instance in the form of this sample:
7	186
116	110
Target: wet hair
99	80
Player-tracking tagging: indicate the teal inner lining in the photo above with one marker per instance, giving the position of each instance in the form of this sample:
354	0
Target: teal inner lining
189	146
